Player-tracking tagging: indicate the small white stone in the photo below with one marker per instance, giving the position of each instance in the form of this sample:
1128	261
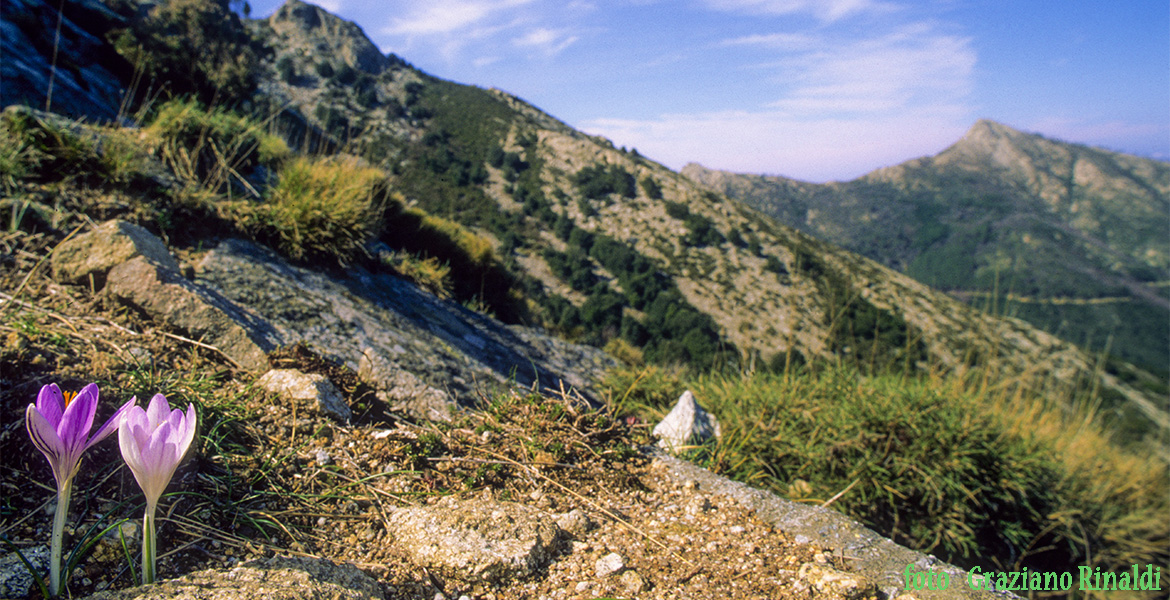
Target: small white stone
686	424
609	564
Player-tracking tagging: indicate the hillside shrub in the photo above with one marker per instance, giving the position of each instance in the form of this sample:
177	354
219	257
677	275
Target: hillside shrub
651	187
702	231
597	181
188	47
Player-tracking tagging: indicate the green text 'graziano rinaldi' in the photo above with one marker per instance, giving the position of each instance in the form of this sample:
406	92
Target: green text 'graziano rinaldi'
1086	579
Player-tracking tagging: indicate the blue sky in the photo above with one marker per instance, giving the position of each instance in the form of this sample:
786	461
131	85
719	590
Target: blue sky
816	90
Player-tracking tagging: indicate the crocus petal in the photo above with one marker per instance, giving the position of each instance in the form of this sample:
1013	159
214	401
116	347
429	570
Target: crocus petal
51	403
129	448
78	419
156	453
43	434
188	431
158	463
111	424
158	411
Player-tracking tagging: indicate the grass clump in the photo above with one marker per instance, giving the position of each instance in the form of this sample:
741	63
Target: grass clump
476	275
41	148
975	470
213	147
322	209
427	272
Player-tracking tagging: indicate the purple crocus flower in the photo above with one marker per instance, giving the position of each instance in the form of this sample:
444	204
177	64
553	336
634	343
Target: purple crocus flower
153	441
59	427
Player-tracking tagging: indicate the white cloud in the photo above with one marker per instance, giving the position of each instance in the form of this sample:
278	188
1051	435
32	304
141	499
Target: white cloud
333	6
779	41
448	16
549	41
913	66
843	105
825	10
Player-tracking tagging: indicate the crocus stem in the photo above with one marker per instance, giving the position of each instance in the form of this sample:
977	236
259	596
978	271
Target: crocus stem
63	494
148	544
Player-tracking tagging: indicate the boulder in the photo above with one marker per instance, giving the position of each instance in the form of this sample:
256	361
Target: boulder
477	539
95	252
686	424
276	578
313	387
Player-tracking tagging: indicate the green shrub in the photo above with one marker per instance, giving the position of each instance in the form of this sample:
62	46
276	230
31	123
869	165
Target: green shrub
651	187
597	181
190	47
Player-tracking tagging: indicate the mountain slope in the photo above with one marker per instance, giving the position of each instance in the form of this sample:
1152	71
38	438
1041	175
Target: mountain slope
607	244
1068	237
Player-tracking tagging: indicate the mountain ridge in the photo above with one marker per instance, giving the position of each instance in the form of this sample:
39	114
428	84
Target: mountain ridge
1004	213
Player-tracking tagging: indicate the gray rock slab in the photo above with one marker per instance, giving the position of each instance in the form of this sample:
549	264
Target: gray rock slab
15	580
409	345
201	313
277	578
33	34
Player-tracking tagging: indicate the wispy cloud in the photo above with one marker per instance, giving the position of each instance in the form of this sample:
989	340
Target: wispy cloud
333	6
825	10
448	16
913	66
778	41
841	101
549	42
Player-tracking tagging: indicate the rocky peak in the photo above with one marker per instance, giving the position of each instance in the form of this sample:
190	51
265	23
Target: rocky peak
312	31
993	144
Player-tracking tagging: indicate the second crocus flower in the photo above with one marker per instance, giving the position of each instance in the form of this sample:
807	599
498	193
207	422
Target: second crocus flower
153	442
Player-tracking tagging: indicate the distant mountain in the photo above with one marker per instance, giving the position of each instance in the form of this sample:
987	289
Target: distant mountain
1074	239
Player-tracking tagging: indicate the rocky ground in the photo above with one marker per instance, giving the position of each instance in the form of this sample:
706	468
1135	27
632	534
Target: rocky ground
530	496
